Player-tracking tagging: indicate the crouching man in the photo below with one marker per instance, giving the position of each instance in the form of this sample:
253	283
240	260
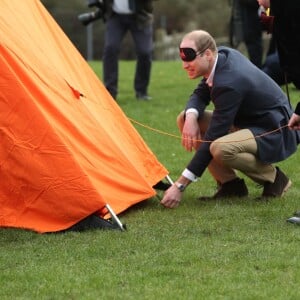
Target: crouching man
247	129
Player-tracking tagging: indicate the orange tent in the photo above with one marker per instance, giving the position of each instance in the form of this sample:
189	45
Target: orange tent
66	148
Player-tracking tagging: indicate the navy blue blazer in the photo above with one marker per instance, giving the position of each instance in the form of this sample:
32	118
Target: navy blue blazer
245	97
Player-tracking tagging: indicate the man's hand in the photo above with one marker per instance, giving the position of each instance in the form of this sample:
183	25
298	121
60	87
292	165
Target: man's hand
264	3
191	136
294	122
171	197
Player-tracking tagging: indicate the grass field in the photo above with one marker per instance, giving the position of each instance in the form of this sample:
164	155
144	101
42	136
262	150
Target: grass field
233	249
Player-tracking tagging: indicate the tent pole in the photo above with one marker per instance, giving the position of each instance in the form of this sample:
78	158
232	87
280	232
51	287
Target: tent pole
114	217
169	179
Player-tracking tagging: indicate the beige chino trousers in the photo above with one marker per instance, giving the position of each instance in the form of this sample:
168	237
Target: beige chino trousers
235	151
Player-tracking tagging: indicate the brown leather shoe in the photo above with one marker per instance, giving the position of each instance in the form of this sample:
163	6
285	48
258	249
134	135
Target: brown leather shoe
233	188
278	187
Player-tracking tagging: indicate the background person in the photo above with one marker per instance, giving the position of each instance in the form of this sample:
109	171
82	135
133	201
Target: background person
285	29
252	30
247	28
135	16
271	65
248	103
294	124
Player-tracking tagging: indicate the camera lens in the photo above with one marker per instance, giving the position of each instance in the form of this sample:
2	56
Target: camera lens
86	18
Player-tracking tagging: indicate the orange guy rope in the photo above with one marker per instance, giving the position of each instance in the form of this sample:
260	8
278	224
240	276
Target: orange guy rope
203	141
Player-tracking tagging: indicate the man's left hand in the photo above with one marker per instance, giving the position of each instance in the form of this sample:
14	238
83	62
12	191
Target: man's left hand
171	197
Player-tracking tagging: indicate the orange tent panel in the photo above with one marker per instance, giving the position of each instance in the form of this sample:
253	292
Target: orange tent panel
66	149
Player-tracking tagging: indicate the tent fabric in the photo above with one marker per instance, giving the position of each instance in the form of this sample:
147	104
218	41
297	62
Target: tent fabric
67	149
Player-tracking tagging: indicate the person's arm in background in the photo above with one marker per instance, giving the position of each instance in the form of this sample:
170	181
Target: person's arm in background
264	3
294	122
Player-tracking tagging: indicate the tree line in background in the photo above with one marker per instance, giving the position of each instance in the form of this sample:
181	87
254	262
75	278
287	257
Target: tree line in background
171	17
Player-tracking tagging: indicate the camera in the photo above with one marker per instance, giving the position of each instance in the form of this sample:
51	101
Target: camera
98	3
88	17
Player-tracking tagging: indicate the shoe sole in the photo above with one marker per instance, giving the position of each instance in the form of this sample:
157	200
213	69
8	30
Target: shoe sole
288	185
210	198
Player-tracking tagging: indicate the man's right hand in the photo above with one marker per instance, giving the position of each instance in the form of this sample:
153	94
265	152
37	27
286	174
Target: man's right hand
191	136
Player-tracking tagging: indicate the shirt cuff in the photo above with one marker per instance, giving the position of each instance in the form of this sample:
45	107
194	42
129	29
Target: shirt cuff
189	175
192	110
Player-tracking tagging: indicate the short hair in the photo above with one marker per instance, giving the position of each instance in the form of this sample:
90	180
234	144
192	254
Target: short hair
203	40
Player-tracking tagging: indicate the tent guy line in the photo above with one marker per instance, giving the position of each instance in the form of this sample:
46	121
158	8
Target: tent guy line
203	141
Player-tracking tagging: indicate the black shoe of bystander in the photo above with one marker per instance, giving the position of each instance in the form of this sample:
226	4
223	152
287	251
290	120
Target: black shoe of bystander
143	97
294	220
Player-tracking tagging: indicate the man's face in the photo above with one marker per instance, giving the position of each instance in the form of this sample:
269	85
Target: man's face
194	62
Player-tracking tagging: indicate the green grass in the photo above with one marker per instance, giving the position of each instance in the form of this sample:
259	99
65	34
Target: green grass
233	249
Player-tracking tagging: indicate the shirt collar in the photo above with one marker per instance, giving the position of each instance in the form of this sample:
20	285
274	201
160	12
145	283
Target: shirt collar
210	79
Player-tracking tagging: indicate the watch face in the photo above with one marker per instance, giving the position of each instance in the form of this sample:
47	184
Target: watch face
180	186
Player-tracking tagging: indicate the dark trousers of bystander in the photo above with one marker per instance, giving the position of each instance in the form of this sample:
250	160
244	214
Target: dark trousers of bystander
116	28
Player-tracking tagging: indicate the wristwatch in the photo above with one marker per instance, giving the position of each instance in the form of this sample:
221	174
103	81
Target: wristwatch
180	186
